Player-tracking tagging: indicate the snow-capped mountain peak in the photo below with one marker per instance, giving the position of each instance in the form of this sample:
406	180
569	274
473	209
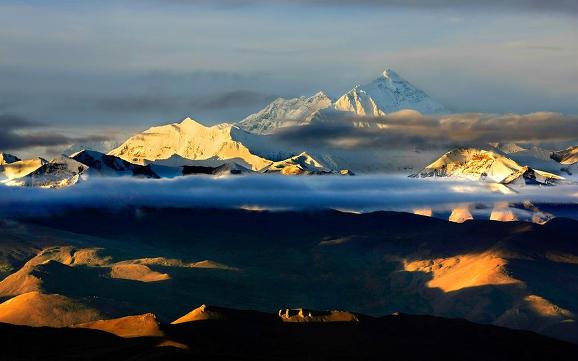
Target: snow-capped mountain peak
389	73
485	165
194	141
190	122
392	93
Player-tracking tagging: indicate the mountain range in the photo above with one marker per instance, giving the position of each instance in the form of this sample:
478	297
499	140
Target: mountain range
252	142
388	93
123	280
255	144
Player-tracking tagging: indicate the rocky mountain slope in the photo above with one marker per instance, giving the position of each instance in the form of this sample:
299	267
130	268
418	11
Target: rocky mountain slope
567	157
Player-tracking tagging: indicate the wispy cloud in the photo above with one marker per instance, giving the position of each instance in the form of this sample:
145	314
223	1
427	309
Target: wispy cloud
233	99
18	132
534	46
163	103
570	6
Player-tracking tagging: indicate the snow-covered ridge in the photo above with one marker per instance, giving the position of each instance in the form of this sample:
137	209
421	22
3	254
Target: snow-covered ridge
302	163
108	165
283	113
59	172
359	102
508	148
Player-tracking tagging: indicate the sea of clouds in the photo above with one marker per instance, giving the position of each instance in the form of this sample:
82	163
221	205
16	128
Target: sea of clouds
359	193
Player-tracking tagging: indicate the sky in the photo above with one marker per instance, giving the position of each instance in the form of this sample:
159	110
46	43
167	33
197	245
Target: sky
88	70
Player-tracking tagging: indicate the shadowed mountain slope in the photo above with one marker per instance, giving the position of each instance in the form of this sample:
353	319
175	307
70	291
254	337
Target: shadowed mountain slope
389	337
513	274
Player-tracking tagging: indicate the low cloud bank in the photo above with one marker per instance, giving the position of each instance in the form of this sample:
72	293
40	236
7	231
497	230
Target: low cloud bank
359	193
411	129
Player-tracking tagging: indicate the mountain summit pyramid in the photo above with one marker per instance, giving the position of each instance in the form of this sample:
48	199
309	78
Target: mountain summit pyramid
388	93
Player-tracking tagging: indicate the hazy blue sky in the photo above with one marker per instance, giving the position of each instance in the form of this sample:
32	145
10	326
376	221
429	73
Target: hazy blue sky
131	64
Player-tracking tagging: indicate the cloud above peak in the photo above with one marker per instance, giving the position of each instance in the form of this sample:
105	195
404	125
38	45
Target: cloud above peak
411	129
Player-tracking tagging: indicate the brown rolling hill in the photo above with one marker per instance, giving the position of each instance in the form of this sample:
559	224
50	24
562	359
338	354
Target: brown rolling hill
129	326
515	274
37	309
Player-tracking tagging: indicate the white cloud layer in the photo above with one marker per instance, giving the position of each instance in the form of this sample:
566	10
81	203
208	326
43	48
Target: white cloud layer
358	193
